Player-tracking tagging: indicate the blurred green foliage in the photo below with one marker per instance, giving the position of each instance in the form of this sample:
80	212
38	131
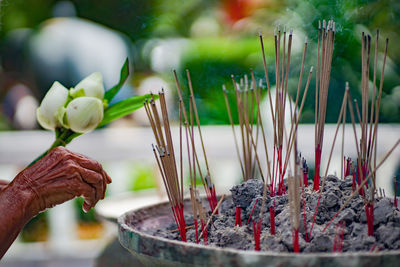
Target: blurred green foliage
89	216
37	229
211	63
352	18
137	19
141	177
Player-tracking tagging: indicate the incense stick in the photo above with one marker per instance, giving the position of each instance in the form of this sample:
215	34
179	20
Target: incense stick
165	157
335	135
233	129
214	212
323	69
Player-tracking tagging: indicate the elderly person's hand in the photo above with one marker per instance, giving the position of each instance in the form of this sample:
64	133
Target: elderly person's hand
59	176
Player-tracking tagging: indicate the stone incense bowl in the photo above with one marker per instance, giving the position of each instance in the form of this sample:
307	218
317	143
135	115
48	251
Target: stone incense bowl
158	251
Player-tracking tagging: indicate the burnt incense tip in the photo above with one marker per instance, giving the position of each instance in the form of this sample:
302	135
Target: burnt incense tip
319	25
284	29
291	31
311	69
306	40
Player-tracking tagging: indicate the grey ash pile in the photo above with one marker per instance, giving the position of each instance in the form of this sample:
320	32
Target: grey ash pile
222	232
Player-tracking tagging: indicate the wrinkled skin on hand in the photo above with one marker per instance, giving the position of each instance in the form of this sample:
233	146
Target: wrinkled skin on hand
62	175
59	176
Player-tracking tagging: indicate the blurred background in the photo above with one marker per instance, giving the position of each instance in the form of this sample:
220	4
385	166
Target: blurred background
46	40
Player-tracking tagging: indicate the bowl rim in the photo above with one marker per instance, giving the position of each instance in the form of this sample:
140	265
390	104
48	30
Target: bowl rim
123	226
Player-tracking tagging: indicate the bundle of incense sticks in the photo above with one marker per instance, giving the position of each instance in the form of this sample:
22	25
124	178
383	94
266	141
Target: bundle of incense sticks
324	60
340	119
165	157
247	96
197	208
368	119
281	159
365	149
206	180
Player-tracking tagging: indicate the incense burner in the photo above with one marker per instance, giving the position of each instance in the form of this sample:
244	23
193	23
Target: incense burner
281	193
158	251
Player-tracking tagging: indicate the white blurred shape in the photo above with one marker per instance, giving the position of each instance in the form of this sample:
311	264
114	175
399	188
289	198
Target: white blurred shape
152	84
25	112
167	55
267	116
84	45
205	27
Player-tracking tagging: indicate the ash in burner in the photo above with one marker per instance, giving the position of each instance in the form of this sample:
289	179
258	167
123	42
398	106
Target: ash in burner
351	221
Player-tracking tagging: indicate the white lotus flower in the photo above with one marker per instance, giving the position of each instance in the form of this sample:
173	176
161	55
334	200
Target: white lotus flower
92	86
83	114
54	99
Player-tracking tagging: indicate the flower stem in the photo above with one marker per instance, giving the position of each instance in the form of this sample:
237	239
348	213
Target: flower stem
62	139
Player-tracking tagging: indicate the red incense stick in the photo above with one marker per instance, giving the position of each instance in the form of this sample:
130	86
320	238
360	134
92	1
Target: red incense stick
395	192
296	248
272	218
238	221
251	213
257	234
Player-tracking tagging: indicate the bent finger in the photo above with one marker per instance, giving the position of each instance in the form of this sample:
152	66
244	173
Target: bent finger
107	177
89	195
95	180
